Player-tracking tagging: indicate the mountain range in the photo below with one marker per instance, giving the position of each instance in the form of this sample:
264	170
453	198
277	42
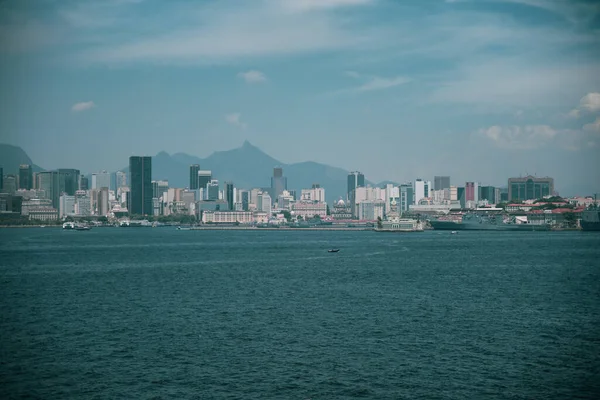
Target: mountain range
246	166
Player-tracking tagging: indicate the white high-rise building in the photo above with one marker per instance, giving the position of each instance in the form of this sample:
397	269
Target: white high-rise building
100	179
66	206
316	193
422	189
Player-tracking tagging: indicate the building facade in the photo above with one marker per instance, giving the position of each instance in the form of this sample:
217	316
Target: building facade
441	182
25	177
529	188
140	169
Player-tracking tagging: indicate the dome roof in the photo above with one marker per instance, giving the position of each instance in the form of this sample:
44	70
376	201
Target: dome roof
340	203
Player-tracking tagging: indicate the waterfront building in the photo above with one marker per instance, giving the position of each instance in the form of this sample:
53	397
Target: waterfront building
68	181
487	193
421	190
227	217
67	206
212	190
39	209
530	188
406	196
25	177
194	169
83	203
370	210
10	184
10	203
471	191
441	182
341	211
159	188
102	179
121	180
103	202
285	200
48	181
278	182
308	209
316	193
140	169
229	194
83	183
355	180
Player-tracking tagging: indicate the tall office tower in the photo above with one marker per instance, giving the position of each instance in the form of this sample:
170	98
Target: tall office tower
140	169
82	203
103	205
49	182
101	179
406	196
84	183
245	200
204	178
530	188
194	169
419	190
471	191
355	179
25	177
10	184
441	182
229	195
264	203
278	182
121	178
460	195
158	188
488	193
212	190
68	181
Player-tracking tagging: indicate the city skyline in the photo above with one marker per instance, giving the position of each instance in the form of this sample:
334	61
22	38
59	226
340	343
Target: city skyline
392	89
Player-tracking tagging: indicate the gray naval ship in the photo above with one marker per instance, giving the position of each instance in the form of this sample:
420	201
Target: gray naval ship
475	222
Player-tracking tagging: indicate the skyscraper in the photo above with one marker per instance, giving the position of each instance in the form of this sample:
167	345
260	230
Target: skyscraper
158	188
229	194
84	183
441	182
194	169
68	181
49	182
25	177
355	179
488	193
121	178
406	196
422	189
204	178
101	179
471	191
140	169
212	190
529	188
278	182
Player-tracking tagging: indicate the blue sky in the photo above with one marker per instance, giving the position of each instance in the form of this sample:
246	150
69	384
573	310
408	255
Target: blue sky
480	90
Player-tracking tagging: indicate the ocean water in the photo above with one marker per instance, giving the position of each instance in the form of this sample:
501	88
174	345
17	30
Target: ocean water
159	313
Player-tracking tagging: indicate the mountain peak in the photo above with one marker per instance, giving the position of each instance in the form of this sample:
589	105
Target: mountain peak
248	145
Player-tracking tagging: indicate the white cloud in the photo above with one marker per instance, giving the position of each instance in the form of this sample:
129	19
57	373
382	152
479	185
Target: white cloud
593	127
308	5
373	83
82	106
235	120
252	76
590	103
518	137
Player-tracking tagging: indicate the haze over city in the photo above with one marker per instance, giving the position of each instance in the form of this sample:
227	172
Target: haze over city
479	90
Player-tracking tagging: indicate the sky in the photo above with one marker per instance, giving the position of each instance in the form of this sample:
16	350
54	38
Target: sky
478	90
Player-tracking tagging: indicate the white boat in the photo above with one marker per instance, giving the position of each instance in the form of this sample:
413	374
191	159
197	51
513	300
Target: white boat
454	232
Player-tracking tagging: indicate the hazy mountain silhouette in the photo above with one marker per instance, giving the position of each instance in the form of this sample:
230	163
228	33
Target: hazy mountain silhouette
246	166
13	156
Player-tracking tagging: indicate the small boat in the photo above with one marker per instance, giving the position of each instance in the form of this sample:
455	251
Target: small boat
333	250
454	232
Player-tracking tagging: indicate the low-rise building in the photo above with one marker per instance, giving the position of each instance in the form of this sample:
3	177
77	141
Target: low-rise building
308	209
227	217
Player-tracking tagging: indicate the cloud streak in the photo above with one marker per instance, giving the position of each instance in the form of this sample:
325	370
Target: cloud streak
252	76
235	120
82	106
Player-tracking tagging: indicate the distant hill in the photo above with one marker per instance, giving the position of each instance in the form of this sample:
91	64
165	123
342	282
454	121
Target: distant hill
13	156
249	167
